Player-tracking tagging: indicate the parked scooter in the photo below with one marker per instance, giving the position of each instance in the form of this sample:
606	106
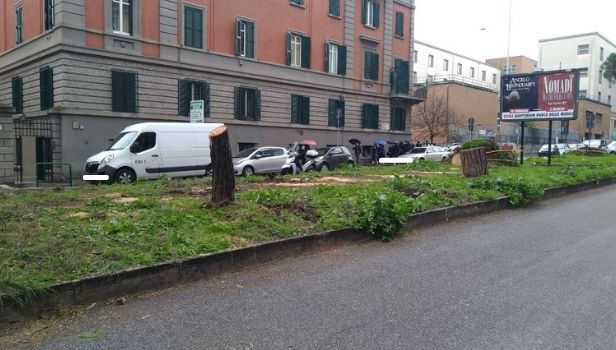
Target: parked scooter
290	166
311	161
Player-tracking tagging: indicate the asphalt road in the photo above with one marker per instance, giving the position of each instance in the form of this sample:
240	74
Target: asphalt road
543	277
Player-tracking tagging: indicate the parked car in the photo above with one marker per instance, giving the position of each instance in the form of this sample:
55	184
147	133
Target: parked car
543	151
595	143
576	146
453	147
150	150
262	160
563	148
611	148
329	158
435	153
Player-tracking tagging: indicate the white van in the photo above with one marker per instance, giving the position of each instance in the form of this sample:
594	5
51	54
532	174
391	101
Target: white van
150	150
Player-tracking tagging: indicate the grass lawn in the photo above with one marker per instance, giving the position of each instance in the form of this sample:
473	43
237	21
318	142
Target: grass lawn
59	234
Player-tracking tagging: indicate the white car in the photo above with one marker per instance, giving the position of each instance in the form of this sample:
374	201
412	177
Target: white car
435	153
611	148
563	148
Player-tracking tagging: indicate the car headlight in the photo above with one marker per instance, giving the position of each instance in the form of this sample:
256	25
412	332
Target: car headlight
105	161
238	162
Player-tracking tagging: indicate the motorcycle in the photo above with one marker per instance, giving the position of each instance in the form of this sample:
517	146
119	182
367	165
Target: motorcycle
290	166
311	163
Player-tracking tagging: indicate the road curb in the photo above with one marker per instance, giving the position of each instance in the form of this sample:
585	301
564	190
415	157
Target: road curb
139	280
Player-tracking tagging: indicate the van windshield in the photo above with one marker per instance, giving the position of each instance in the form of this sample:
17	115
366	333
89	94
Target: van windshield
122	141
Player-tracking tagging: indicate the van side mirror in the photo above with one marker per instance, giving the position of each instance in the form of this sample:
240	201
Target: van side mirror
135	147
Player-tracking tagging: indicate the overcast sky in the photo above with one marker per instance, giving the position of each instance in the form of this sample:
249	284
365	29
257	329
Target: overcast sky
457	25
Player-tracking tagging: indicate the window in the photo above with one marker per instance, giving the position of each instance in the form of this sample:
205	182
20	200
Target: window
472	72
245	38
609	100
430	78
483	75
370	116
400	76
49	14
399	24
446	65
398	119
430	61
193	27
297	2
600	76
371	65
583	73
298	50
415	55
193	90
414	77
582	93
247	103
300	109
493	78
46	83
511	69
370	13
599	96
145	141
609	83
334	8
19	24
583	49
459	69
335	113
122	17
123	91
335	60
17	94
601	54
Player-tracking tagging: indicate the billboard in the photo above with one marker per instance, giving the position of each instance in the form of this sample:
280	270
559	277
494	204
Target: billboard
540	96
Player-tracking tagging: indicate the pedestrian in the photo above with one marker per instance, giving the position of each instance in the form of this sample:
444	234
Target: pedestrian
357	150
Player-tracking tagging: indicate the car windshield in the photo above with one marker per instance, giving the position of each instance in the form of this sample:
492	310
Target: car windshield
122	141
544	148
418	150
322	151
245	153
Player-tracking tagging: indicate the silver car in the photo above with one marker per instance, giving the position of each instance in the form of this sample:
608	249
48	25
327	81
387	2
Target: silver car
262	160
435	153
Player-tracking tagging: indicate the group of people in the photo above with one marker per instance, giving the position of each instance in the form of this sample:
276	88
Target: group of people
378	149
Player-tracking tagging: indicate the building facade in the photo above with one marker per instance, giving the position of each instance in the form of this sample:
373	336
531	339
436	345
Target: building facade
517	64
585	52
434	64
73	73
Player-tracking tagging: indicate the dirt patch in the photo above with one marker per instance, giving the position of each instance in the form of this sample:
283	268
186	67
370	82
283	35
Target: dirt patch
307	212
409	192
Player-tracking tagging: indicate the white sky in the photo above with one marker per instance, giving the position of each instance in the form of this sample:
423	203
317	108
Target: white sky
456	25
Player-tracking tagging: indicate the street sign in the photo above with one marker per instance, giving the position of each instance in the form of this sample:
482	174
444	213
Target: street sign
590	120
196	111
471	124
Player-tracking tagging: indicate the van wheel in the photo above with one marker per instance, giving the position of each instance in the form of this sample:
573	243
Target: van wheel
248	171
125	176
208	170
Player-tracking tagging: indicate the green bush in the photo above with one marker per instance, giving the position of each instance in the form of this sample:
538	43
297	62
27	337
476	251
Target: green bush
519	191
383	214
490	145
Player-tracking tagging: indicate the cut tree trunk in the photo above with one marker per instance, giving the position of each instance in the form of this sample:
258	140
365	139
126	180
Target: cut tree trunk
474	162
223	178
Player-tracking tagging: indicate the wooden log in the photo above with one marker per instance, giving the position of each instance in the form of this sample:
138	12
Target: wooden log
474	162
223	177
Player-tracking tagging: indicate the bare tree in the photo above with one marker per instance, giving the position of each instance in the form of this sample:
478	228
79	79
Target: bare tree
433	117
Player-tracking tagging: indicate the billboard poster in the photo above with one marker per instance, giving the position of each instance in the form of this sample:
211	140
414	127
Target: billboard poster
539	96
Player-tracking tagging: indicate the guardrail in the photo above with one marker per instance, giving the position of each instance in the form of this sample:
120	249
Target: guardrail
53	173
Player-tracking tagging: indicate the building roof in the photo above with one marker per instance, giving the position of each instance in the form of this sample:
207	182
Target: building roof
578	36
454	53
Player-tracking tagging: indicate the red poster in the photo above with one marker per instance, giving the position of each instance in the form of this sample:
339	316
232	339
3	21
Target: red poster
557	92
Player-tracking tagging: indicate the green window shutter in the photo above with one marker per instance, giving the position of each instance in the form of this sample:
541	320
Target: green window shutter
130	17
238	110
342	107
331	113
375	66
377	12
342	59
238	38
193	27
289	49
205	96
257	104
183	98
250	40
374	117
399	24
365	113
327	57
46	87
188	27
305	52
305	109
130	102
364	11
367	65
17	94
294	109
117	91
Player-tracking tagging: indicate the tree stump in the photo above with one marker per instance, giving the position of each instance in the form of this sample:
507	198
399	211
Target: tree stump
223	178
474	162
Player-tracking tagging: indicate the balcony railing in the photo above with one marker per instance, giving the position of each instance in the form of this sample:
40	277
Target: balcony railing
458	79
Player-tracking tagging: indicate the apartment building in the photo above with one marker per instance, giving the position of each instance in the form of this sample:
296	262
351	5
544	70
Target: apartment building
517	64
434	64
585	52
73	73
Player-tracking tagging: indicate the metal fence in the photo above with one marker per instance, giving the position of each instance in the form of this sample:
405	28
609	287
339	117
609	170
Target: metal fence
54	173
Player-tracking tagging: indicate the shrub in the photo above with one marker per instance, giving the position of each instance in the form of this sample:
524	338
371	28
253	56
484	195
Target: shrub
490	145
519	191
382	214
